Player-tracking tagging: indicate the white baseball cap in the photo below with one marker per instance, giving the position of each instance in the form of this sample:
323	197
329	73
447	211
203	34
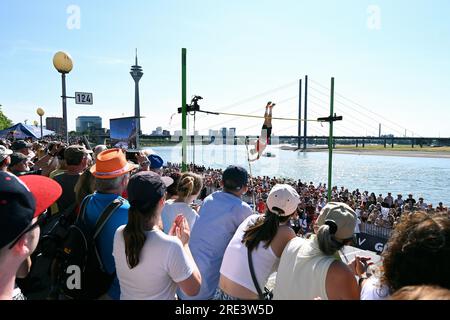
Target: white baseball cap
4	152
284	197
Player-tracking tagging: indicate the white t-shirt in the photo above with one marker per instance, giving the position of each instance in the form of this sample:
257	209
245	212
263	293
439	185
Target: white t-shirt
323	203
162	263
303	223
171	210
422	206
384	212
235	260
372	290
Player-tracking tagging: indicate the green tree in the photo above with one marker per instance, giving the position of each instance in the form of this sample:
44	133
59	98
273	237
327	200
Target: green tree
4	121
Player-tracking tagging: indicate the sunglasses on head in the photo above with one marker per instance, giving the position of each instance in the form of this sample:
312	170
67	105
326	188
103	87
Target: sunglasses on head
39	222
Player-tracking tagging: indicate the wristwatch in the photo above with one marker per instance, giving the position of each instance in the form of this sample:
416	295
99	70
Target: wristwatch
360	281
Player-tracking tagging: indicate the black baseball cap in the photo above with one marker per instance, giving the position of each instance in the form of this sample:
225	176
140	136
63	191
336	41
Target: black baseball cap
20	144
145	188
234	178
74	154
22	199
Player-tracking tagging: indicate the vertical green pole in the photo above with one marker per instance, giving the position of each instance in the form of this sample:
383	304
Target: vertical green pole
183	109
330	141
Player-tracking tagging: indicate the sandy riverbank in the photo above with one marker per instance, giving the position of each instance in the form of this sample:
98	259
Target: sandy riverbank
385	152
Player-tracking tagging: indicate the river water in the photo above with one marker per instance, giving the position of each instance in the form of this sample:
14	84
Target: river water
426	177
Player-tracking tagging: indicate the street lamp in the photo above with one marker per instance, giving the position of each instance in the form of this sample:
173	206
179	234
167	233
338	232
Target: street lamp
63	63
40	113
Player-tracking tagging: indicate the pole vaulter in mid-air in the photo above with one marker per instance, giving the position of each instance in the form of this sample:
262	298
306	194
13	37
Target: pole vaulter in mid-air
266	131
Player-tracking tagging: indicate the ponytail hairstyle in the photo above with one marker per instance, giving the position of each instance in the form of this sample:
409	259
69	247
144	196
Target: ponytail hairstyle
264	229
134	232
189	184
327	241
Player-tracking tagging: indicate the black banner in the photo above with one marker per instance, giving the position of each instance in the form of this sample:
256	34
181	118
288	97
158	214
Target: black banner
369	242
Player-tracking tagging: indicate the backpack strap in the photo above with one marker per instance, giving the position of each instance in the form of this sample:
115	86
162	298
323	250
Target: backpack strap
83	206
65	213
104	217
69	210
252	272
106	214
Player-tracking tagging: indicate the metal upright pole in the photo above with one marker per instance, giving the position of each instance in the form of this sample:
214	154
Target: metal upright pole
299	113
305	125
41	127
193	143
64	102
137	112
183	109
330	141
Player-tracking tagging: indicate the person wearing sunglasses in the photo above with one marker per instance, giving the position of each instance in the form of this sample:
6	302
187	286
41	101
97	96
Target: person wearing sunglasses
23	205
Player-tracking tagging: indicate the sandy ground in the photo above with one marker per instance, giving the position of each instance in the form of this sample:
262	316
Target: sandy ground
394	153
386	152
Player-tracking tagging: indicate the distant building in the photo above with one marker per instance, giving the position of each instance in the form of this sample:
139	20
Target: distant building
214	133
177	133
224	132
232	132
54	124
164	133
157	132
88	123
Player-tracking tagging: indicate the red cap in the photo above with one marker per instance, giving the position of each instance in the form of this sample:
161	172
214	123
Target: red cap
45	191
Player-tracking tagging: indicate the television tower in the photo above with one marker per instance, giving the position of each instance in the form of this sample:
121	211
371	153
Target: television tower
136	74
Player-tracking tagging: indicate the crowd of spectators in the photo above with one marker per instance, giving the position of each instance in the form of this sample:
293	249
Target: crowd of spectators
383	210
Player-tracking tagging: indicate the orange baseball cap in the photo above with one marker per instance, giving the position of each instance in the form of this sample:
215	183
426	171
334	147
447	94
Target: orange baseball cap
110	164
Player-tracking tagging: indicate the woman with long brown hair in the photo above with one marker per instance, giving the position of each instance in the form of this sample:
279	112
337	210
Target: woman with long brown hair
150	265
265	238
84	186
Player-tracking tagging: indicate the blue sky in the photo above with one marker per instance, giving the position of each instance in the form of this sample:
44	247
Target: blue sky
397	70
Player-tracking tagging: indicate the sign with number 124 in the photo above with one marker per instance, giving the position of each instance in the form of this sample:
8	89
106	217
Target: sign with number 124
83	98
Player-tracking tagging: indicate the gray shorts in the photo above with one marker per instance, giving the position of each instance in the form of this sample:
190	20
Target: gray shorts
221	295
